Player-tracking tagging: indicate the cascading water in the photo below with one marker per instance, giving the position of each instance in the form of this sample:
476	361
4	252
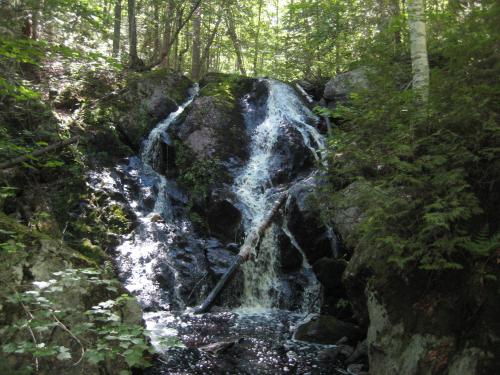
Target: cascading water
143	251
254	188
162	260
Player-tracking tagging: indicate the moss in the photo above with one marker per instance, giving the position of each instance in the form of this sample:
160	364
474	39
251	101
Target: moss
118	220
29	240
92	251
226	87
196	175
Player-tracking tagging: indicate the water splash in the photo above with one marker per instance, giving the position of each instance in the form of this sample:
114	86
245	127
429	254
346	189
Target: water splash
254	189
144	251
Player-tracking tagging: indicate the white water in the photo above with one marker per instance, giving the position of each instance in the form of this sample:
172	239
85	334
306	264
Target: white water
142	252
253	188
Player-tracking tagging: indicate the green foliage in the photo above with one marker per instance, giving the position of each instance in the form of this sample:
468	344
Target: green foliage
101	336
427	179
196	175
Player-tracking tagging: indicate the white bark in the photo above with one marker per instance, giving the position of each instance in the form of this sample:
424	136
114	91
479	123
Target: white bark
418	44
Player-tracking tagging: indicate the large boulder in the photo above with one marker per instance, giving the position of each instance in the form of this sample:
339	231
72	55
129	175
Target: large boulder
213	130
223	218
291	157
303	218
341	86
326	329
148	98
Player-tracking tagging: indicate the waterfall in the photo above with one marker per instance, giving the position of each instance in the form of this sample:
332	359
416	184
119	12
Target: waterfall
144	251
254	189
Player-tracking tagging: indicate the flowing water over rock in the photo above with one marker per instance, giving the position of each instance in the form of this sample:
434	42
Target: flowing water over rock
255	189
166	264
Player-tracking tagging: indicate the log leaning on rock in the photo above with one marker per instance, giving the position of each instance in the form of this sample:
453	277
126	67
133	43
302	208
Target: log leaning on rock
251	242
52	147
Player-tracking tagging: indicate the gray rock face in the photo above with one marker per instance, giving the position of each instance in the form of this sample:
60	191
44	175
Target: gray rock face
150	98
291	156
213	130
304	221
223	218
326	329
339	87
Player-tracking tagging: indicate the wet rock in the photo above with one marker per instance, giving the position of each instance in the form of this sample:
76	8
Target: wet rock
329	355
223	218
219	257
290	259
360	354
339	87
156	218
181	272
303	218
329	272
325	329
291	156
149	98
257	98
355	369
291	290
218	347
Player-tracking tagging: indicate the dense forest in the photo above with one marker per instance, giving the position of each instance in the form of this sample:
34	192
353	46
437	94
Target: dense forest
321	178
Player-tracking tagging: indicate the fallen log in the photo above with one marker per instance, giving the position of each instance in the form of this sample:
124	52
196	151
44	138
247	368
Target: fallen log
251	242
41	151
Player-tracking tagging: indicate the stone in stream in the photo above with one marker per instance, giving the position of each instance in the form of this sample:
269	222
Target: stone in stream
218	347
326	329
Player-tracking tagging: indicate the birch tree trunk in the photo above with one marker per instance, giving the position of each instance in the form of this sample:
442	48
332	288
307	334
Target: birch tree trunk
117	28
418	45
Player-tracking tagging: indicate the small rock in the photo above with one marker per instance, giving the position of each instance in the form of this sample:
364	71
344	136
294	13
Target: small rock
327	329
355	369
218	347
156	218
329	355
360	353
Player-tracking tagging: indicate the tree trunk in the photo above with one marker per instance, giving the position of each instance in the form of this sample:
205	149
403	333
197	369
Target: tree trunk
196	50
132	34
117	28
250	244
156	32
231	30
257	34
25	158
205	57
176	33
167	34
396	13
418	46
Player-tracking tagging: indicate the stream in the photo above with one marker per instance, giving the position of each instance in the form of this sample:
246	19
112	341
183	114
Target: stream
163	261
